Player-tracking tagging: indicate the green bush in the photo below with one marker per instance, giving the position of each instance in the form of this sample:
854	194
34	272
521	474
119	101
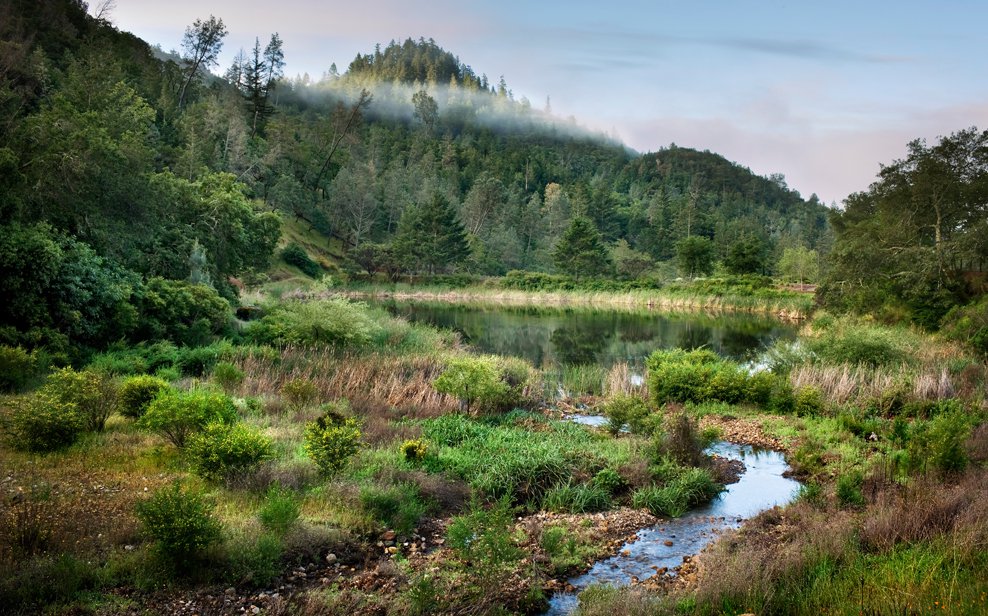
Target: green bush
183	312
180	523
254	561
137	392
398	507
849	490
293	254
760	387
939	442
486	384
969	325
680	441
609	480
280	511
414	450
228	376
223	450
335	322
727	382
93	394
199	360
691	487
299	393
17	368
631	411
570	498
483	535
808	401
331	441
178	414
43	422
858	344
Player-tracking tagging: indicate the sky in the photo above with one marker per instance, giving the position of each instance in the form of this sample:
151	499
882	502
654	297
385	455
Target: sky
822	92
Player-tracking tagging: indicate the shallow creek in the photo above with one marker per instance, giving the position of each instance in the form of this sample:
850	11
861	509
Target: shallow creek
761	487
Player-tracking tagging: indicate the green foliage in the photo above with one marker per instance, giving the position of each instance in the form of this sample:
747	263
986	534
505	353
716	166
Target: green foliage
631	411
17	368
414	450
43	422
939	442
609	480
695	256
199	360
280	511
180	522
859	344
331	441
254	561
299	393
431	237
691	487
228	376
577	498
800	265
137	392
293	254
849	490
483	535
748	256
94	395
581	251
969	325
680	441
222	450
178	414
808	401
183	312
335	322
399	506
485	383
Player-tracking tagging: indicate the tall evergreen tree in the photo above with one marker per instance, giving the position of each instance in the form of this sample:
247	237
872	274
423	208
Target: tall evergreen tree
431	237
581	251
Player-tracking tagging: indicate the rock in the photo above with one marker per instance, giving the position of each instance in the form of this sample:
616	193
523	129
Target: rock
331	558
230	591
667	543
389	535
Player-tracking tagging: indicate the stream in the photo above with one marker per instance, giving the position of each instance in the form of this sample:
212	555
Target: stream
761	487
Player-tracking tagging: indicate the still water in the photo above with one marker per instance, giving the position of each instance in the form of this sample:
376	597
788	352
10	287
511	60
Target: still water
553	337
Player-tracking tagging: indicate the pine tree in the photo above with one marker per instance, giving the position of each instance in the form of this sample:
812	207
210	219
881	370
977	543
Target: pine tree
581	251
431	237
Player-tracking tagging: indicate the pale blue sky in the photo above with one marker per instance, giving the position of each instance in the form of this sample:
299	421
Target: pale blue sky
822	92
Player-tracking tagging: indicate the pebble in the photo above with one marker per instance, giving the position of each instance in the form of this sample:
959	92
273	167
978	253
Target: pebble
331	558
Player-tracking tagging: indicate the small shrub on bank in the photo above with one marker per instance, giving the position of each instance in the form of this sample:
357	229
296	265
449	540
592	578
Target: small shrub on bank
414	451
223	450
180	523
280	511
138	392
331	441
681	442
808	401
299	393
254	561
849	493
17	368
398	507
486	384
43	423
293	254
335	322
631	411
856	344
609	480
570	498
691	487
178	414
93	394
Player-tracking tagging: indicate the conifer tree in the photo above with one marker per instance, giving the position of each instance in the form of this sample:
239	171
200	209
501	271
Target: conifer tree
581	251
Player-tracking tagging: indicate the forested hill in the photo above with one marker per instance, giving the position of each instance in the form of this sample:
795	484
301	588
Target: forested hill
120	170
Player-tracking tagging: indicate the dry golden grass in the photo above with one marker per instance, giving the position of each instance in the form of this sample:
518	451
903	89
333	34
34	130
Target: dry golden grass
845	384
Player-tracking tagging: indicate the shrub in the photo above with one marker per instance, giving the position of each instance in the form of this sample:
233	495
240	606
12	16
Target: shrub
280	511
484	535
43	422
336	322
969	325
299	393
199	360
577	498
760	387
181	311
680	442
940	441
93	394
17	368
808	401
254	561
180	523
624	410
414	450
331	441
293	254
224	450
849	490
177	414
484	383
228	376
870	346
137	392
609	480
398	507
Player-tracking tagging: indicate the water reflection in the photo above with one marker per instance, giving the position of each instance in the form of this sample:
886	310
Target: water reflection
550	337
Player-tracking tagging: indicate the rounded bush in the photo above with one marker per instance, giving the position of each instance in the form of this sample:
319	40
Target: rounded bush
228	376
808	401
17	367
331	441
137	392
484	384
178	414
622	410
223	450
94	394
43	422
414	450
280	511
299	393
181	523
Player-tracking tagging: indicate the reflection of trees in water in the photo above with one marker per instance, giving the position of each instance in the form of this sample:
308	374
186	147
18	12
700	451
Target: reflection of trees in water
694	336
739	343
580	343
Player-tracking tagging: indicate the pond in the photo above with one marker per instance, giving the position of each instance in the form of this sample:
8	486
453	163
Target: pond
554	337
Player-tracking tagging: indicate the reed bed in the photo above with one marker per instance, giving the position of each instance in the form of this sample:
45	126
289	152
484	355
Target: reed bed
859	384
